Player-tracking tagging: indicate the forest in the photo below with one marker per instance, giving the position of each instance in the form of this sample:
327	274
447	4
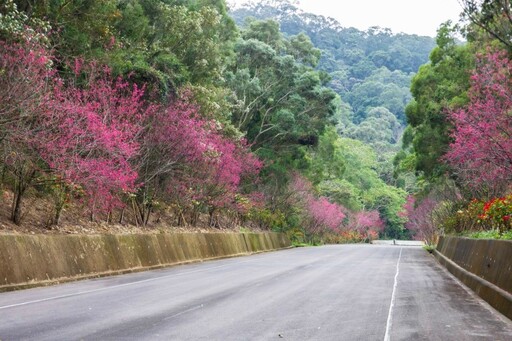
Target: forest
184	113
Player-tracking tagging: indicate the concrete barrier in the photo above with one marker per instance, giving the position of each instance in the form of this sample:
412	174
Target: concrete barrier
483	265
34	260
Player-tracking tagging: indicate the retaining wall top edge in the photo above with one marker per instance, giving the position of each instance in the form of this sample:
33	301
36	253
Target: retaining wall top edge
482	239
128	234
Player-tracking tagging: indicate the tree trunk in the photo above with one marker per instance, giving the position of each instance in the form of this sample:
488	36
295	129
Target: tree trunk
121	217
2	178
93	209
56	218
16	205
60	201
212	221
21	185
148	213
135	211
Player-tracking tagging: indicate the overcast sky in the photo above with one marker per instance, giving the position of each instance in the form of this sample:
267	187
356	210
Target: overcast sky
421	17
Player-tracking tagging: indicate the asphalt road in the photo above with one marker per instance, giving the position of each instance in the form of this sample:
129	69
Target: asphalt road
351	292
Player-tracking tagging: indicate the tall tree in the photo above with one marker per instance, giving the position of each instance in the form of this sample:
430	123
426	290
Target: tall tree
481	153
25	78
492	16
440	85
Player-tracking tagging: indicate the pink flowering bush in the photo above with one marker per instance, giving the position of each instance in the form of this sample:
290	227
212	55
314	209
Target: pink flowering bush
367	223
323	214
319	215
25	77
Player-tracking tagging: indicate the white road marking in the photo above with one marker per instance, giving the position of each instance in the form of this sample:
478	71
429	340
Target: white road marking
390	314
118	286
127	284
184	312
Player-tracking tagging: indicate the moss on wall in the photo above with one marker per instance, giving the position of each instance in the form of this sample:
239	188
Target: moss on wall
32	260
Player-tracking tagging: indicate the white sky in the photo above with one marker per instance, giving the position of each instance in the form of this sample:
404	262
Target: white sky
421	17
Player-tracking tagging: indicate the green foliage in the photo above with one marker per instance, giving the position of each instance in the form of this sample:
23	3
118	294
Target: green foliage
378	57
491	21
440	85
303	50
280	101
85	28
488	234
342	192
356	184
380	129
429	248
506	235
326	161
371	71
17	25
381	89
290	88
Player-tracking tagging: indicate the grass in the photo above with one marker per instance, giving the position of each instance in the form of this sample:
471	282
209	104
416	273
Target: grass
429	248
297	244
489	234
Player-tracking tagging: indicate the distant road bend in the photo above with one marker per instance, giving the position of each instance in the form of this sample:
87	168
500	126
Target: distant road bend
348	292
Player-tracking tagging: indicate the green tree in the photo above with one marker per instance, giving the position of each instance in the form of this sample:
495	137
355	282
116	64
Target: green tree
440	85
493	17
280	101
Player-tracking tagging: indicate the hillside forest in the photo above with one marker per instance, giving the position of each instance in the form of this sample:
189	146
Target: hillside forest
184	113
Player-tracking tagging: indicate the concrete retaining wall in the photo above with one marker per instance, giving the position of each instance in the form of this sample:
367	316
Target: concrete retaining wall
483	265
33	260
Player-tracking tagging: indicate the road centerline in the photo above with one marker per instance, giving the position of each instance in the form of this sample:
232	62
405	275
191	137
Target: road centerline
393	295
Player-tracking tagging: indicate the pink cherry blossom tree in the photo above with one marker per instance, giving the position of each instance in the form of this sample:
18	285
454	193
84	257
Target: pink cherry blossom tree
25	78
186	159
367	223
323	215
319	215
90	134
422	219
481	153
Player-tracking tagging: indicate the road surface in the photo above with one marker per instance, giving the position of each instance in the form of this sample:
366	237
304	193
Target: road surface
349	292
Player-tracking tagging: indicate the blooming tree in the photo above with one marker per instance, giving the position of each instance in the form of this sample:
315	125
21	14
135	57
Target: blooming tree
185	158
25	76
423	219
90	135
481	153
318	214
323	214
367	223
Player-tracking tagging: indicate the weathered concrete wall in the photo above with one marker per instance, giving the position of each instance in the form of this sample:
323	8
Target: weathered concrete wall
32	260
483	265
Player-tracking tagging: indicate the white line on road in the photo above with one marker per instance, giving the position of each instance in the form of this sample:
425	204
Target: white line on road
390	314
119	285
184	312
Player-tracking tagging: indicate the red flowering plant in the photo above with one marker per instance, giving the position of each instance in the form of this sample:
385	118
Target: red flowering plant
497	213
